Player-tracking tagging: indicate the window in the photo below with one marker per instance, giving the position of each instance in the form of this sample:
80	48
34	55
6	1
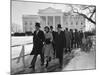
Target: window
25	23
30	23
76	23
71	23
81	23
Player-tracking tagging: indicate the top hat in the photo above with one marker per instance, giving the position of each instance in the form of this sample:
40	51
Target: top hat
37	24
66	28
59	26
51	27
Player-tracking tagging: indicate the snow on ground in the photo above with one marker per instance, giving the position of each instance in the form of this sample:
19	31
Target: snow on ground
15	51
20	41
16	40
82	61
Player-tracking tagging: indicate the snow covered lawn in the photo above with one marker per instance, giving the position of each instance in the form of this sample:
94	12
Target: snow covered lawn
15	51
15	40
21	41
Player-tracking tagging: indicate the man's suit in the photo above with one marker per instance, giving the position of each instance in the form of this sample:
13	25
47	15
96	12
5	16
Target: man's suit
38	39
60	44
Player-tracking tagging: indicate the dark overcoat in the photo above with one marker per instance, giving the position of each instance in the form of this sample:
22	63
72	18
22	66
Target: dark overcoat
53	33
76	37
53	43
60	43
38	40
68	38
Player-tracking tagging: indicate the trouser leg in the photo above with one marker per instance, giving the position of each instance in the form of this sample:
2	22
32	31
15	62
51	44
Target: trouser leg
61	61
33	61
72	44
42	58
75	44
54	48
81	42
47	61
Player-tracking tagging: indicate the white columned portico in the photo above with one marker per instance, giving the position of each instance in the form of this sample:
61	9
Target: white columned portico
52	12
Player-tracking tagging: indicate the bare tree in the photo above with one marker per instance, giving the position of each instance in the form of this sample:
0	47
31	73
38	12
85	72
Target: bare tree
90	12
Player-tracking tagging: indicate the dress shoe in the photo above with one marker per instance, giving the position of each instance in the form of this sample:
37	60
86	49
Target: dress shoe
31	67
60	67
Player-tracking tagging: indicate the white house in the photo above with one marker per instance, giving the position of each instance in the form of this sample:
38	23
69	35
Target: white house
52	17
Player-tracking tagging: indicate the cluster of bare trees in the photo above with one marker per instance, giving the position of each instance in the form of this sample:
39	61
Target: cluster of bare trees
88	12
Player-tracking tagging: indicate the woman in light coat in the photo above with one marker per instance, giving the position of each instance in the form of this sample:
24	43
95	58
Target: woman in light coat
48	48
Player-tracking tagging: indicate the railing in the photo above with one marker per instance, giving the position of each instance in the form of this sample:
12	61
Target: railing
22	54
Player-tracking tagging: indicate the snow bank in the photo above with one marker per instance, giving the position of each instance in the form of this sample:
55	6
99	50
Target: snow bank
21	40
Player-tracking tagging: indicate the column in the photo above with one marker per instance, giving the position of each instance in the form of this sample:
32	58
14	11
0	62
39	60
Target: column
54	22
46	20
23	25
61	20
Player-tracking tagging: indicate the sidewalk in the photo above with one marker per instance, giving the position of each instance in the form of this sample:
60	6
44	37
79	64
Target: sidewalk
53	65
82	61
77	60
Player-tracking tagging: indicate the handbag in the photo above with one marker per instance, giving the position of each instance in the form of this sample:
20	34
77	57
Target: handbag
47	41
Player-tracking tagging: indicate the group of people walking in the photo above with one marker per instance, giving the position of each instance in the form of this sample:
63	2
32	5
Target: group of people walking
51	44
73	39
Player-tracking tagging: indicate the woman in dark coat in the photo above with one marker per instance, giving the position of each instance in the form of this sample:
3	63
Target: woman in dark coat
60	44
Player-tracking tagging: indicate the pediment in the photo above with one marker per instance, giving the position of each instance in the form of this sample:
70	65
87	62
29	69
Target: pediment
49	10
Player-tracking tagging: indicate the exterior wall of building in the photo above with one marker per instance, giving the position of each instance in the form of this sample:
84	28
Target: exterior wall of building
69	21
74	22
29	23
42	22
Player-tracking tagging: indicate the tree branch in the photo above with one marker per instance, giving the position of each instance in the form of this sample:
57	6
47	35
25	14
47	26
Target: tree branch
85	16
89	19
93	12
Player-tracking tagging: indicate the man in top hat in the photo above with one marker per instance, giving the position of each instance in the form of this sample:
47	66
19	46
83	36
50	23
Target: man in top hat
38	39
60	44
